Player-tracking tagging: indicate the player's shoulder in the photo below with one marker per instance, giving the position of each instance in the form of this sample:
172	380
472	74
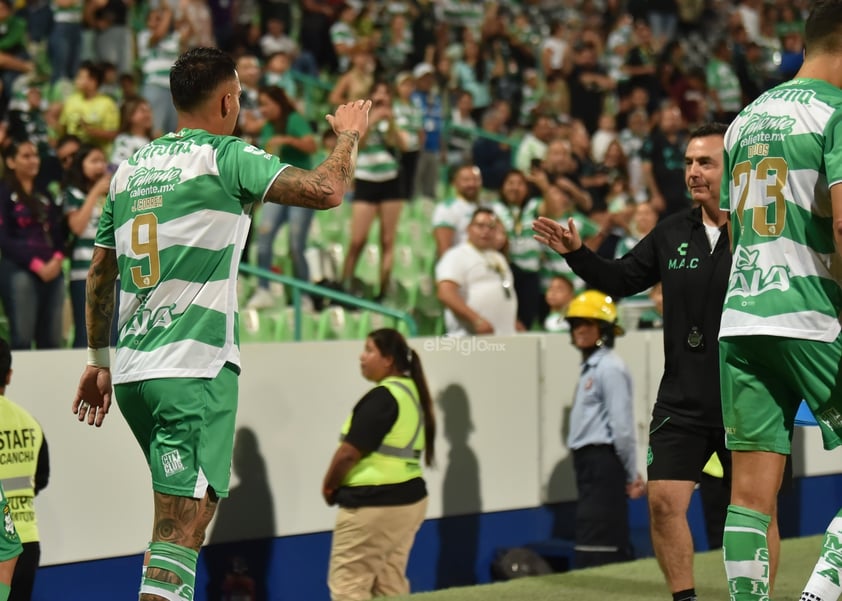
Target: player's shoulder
232	147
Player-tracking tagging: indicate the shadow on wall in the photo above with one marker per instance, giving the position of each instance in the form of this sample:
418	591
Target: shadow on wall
562	481
458	536
240	544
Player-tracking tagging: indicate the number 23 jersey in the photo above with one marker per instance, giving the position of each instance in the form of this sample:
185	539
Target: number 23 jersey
782	154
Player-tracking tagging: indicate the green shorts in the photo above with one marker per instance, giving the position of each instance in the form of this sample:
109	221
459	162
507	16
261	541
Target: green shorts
10	546
185	427
763	380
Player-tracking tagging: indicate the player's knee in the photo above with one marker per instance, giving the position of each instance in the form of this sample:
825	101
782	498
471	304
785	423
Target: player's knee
664	507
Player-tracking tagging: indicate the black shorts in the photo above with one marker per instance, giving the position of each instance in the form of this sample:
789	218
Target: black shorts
409	164
680	451
377	192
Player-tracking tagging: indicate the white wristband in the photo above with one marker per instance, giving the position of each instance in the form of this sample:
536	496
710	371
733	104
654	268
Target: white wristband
99	357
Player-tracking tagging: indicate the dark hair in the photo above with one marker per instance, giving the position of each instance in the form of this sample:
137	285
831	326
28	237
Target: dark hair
711	128
32	202
68	138
75	176
456	169
509	174
127	109
196	74
393	345
380	82
608	333
823	26
607	330
5	361
483	211
277	95
96	71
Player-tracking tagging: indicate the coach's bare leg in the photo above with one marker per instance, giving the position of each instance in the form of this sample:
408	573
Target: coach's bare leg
671	538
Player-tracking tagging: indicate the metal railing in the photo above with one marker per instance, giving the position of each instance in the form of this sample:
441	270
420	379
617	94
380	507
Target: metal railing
299	286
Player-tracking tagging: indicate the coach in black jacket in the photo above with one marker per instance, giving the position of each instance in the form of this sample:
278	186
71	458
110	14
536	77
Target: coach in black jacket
688	253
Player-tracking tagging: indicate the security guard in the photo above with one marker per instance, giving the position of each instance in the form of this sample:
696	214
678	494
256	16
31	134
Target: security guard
601	434
24	471
376	476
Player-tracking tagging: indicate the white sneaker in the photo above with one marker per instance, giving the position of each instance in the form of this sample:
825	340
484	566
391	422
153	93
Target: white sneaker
261	299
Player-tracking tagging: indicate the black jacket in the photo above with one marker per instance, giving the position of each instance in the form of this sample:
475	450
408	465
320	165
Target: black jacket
676	253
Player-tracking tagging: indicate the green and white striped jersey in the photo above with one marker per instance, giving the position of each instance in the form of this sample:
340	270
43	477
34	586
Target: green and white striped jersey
524	250
782	155
722	78
156	61
375	162
83	246
177	215
67	14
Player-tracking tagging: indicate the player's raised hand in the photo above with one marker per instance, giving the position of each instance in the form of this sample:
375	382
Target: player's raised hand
351	117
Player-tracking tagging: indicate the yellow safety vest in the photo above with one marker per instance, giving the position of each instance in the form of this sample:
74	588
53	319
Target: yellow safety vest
21	438
398	459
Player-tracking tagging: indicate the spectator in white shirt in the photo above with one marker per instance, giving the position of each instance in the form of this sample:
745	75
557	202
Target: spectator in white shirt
474	282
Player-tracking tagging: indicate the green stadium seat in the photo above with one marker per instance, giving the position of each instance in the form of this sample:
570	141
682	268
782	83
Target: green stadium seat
257	326
368	269
403	328
429	324
422	209
403	293
412	232
371	320
309	325
331	226
336	252
405	264
427	300
335	323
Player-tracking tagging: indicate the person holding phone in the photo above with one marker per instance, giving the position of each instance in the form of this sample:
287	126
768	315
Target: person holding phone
86	185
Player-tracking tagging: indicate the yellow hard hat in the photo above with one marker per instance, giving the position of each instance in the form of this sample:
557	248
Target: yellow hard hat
593	304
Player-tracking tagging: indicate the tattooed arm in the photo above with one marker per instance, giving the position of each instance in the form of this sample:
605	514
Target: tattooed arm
324	186
99	295
93	396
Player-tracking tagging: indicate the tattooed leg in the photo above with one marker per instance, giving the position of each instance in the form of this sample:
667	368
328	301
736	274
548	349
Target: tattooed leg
170	563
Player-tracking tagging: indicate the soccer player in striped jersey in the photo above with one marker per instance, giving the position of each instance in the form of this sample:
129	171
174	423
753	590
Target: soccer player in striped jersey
173	227
780	331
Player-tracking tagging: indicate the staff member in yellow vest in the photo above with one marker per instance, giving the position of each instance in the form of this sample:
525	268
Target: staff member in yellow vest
375	475
24	471
10	548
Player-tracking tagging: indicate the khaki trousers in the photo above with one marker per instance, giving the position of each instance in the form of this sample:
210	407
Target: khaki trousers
370	551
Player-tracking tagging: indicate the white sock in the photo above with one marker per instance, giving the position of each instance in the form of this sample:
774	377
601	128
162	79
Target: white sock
825	583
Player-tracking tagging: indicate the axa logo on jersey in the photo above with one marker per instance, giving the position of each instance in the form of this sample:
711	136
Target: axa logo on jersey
749	279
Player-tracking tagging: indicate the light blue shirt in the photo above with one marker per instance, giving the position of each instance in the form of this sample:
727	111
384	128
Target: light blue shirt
603	408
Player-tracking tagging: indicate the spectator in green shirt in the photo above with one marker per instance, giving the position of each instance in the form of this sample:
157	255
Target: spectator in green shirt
13	57
288	135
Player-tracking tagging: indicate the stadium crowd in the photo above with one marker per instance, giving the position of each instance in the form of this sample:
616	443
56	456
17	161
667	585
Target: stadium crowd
589	100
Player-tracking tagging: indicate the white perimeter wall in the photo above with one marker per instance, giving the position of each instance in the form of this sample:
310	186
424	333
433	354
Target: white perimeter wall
502	406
